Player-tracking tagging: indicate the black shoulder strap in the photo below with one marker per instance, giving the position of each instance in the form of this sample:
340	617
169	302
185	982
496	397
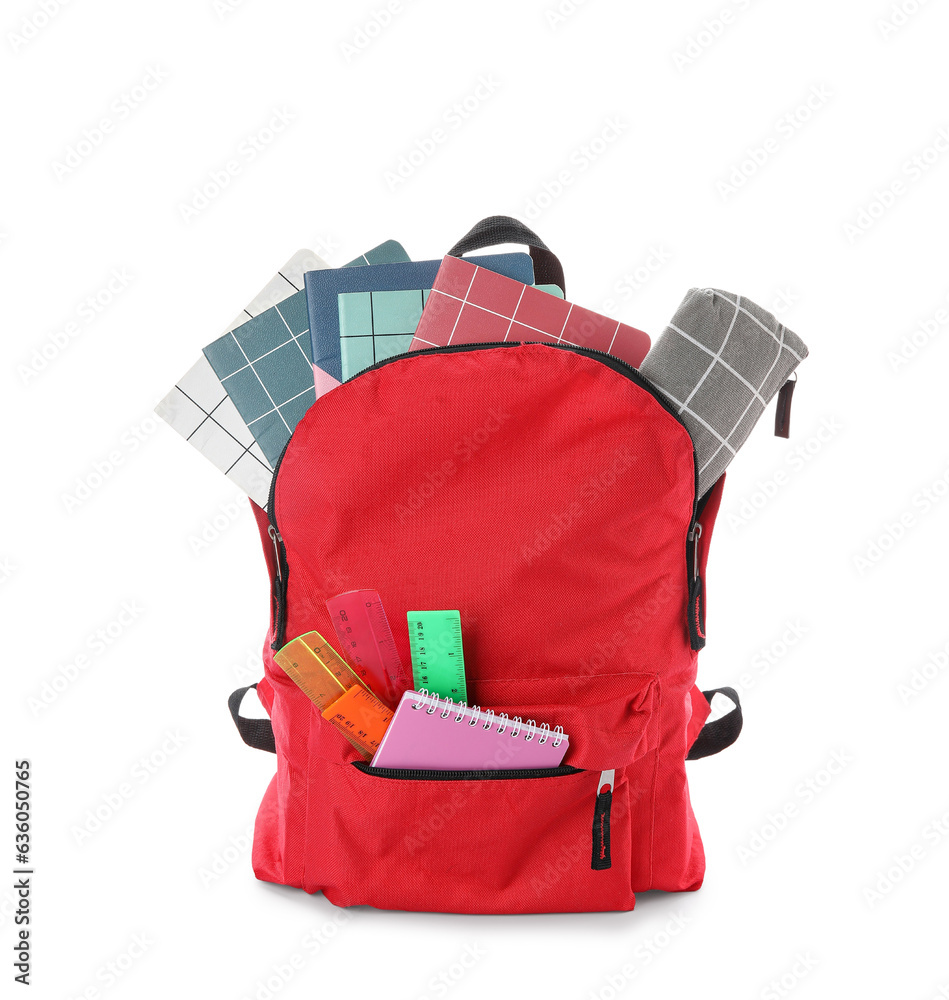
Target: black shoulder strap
722	732
256	733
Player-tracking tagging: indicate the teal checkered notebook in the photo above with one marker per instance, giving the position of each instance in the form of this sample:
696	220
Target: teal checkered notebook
265	365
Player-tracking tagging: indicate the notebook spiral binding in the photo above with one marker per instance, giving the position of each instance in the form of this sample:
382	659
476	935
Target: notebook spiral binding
487	718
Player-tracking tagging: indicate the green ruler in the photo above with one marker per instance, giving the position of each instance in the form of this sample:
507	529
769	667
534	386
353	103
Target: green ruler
438	663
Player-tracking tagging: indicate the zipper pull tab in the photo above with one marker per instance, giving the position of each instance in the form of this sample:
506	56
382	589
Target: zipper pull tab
277	541
601	821
694	535
696	610
782	413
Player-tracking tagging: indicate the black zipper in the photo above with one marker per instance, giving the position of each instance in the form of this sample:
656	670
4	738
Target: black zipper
602	807
280	557
603	357
409	774
696	611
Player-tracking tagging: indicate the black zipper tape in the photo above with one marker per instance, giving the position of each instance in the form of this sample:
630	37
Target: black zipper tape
496	774
697	613
280	555
601	830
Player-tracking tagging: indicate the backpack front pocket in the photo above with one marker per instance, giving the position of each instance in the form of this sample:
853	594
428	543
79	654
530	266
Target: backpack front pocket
470	841
609	717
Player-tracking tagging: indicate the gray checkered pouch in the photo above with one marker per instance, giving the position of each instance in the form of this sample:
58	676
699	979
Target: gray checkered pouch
720	361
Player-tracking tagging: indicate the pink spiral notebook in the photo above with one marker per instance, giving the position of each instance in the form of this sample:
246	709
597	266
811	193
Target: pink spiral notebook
433	734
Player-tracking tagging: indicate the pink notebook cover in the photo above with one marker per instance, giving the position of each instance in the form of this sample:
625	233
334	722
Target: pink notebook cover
422	739
471	305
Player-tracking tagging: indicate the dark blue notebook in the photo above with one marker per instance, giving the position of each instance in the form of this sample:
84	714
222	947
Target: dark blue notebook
358	316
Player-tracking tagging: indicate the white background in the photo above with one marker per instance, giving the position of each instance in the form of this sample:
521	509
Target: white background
794	555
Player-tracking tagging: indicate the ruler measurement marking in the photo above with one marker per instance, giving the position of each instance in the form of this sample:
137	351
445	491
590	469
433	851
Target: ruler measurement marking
437	652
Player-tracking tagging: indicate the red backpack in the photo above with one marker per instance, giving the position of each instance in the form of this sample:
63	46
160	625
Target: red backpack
548	494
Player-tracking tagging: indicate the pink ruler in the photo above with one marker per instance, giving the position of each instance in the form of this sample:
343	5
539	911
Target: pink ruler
367	642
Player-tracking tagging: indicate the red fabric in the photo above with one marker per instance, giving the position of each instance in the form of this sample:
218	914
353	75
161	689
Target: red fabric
548	498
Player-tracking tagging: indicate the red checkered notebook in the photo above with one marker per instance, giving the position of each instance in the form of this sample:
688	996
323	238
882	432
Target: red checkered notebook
471	305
